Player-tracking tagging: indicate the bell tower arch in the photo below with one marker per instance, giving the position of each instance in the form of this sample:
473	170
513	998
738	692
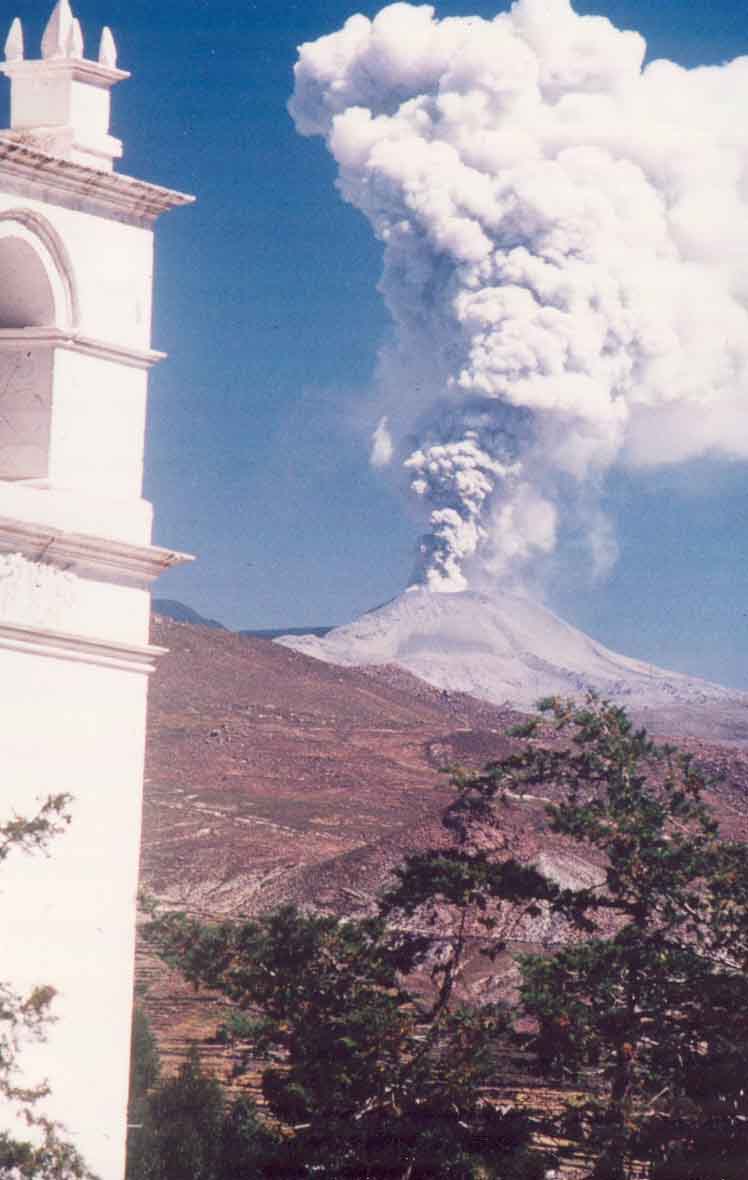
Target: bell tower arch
37	299
76	561
26	294
37	288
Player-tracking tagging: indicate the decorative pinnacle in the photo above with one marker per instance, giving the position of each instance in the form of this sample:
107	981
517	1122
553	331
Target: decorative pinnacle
75	40
14	42
59	36
107	49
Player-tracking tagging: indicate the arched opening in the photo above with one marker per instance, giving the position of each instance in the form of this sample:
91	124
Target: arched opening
26	296
32	297
38	305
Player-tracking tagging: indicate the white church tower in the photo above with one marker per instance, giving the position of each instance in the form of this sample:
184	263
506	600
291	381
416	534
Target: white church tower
76	562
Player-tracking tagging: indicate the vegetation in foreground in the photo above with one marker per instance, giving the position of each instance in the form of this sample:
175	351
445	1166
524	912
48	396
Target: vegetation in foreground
644	1009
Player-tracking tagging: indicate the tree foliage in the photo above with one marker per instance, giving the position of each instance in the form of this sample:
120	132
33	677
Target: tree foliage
145	1073
183	1120
183	1127
649	1011
249	1147
364	1076
644	1009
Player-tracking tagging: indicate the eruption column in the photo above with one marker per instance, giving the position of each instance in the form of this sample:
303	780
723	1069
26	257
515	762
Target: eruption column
566	264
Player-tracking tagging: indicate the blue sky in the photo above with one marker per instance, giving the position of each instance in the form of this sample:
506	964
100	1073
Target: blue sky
266	301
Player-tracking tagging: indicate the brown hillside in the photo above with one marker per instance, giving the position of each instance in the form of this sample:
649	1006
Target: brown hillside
272	777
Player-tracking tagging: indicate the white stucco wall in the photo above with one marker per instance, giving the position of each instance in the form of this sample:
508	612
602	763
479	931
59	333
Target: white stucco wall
98	425
76	271
33	594
69	919
74	656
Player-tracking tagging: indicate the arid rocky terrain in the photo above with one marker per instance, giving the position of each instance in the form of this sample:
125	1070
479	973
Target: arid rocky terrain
273	777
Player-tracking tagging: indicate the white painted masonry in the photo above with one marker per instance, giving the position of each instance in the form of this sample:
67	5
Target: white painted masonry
76	562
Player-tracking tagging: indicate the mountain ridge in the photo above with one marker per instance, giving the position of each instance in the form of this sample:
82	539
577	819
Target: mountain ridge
179	612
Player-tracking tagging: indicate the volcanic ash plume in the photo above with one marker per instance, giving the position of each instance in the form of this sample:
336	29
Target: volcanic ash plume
566	263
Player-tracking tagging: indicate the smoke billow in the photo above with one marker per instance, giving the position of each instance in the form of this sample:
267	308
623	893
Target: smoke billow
566	264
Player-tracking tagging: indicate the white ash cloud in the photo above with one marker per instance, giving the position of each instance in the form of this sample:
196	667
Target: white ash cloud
566	263
382	446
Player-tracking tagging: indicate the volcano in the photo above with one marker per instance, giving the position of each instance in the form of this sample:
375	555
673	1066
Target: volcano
512	650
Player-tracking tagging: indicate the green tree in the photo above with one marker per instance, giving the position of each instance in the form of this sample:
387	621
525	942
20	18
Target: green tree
365	1077
145	1071
182	1128
649	1012
145	1062
645	1009
236	1146
249	1148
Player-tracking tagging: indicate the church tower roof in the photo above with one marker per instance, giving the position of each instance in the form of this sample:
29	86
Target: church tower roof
60	101
59	126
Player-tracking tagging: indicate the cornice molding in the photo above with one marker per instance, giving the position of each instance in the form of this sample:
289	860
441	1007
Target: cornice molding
138	358
78	68
111	191
60	645
88	555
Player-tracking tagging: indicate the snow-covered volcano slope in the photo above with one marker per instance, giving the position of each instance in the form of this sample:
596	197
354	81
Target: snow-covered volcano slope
512	649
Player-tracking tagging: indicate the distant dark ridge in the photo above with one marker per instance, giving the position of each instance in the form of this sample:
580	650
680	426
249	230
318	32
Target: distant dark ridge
275	632
178	612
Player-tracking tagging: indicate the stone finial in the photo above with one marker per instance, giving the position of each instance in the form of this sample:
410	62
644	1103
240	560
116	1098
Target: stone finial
14	42
107	49
61	102
75	40
57	35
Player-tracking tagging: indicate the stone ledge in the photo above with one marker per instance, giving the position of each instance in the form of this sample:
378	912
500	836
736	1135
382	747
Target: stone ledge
111	191
139	358
78	68
87	555
60	645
